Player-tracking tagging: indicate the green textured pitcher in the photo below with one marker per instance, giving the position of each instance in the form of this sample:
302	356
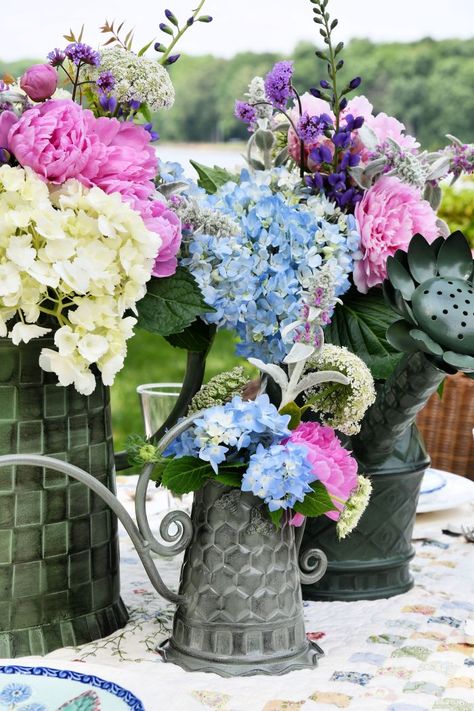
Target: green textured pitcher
59	558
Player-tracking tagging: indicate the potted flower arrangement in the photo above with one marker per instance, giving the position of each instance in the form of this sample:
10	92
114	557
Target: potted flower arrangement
326	214
85	239
257	471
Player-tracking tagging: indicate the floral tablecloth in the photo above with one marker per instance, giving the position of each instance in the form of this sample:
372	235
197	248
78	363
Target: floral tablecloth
403	654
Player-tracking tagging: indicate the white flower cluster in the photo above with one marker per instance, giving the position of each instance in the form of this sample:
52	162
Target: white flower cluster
341	406
354	507
76	258
136	78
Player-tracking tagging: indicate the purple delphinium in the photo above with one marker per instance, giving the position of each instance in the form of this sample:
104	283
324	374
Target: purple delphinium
80	53
106	82
278	84
245	112
108	103
154	135
311	127
56	57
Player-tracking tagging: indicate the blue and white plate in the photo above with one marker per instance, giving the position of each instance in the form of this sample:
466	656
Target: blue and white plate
444	490
33	688
433	480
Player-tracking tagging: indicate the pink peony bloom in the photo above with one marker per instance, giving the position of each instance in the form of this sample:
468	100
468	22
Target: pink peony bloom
166	223
121	159
383	126
52	139
39	82
388	215
7	120
333	465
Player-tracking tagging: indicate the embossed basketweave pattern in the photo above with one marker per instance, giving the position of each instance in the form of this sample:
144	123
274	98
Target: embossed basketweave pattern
241	582
59	577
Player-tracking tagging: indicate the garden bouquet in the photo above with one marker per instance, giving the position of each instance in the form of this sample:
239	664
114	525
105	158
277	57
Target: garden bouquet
84	232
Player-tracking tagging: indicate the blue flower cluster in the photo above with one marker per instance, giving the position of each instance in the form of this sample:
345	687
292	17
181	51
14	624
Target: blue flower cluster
255	280
225	430
280	475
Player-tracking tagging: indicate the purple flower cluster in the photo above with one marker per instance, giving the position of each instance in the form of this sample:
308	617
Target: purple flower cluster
334	164
309	128
80	53
245	113
462	160
278	84
106	82
56	57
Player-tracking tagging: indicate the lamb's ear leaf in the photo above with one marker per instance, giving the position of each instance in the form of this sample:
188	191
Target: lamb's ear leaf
274	371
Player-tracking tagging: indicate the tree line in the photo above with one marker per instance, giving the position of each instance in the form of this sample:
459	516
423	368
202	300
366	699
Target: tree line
428	84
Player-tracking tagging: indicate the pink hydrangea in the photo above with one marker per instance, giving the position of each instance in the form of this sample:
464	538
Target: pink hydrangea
388	216
160	219
121	159
332	465
52	139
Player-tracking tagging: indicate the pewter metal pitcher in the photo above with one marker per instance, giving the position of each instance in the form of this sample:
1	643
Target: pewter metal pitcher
239	605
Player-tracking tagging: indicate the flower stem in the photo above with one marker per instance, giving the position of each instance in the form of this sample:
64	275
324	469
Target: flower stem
180	33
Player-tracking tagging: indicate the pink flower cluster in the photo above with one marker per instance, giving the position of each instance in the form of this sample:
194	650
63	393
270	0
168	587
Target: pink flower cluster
388	215
332	465
384	126
59	140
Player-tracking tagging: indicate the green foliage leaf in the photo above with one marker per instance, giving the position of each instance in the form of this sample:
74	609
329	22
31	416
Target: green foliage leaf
316	503
294	412
197	337
211	179
361	324
186	474
145	48
276	516
171	304
157	473
229	477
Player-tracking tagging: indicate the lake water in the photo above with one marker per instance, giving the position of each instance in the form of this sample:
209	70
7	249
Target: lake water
226	155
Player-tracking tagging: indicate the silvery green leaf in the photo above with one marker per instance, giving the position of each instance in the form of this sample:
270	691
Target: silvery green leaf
286	330
299	352
323	376
443	227
453	139
433	194
439	169
262	123
282	157
168	189
283	126
264	139
256	164
368	137
274	371
375	167
359	176
14	97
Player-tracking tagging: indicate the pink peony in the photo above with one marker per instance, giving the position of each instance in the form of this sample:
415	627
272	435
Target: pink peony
333	465
383	126
7	120
39	82
121	160
388	215
52	139
166	223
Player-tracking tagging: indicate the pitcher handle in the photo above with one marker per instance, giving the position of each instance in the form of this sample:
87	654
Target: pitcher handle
144	544
312	562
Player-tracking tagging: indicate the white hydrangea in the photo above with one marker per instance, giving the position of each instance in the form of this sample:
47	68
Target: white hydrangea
77	259
137	78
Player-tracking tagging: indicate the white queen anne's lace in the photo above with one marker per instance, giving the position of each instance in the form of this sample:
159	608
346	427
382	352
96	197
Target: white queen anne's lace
77	259
136	78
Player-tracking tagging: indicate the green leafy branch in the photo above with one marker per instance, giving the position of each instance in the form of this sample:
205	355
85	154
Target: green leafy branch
174	30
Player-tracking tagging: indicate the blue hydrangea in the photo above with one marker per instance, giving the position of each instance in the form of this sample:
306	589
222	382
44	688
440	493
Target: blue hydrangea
225	430
255	280
280	475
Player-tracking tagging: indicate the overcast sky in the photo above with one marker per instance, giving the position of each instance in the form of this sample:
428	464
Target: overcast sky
31	28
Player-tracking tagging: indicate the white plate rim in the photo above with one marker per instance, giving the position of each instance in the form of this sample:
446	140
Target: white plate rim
457	491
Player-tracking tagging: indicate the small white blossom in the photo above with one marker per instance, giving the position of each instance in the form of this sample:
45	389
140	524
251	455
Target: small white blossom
26	332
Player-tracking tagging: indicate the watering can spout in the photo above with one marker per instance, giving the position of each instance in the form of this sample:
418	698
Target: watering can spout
140	533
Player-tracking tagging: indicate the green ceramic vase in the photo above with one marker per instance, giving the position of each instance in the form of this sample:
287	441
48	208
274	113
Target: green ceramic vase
59	557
